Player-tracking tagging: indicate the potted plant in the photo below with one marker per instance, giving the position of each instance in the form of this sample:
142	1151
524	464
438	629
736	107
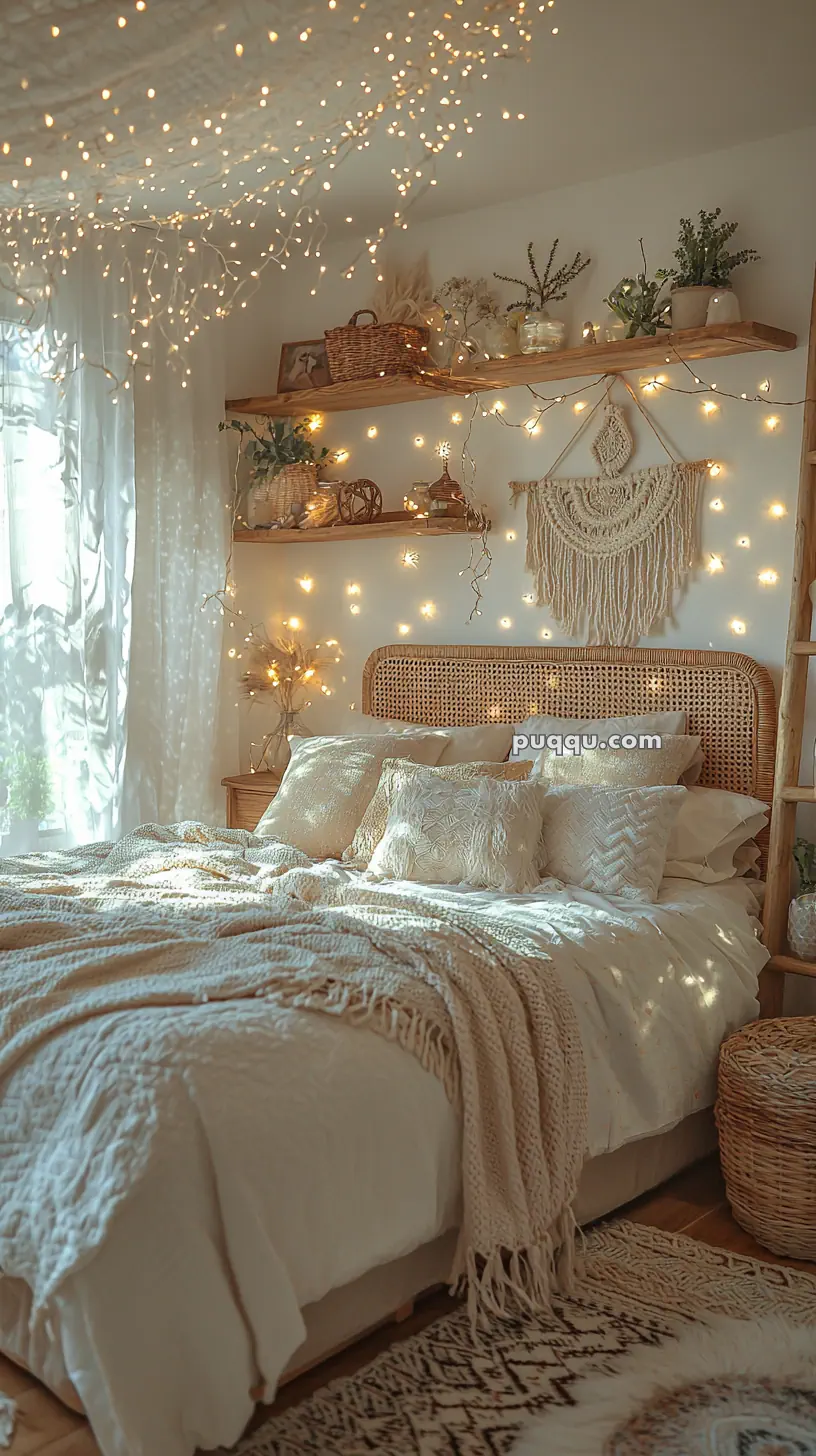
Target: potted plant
802	911
704	268
29	801
637	302
537	332
283	470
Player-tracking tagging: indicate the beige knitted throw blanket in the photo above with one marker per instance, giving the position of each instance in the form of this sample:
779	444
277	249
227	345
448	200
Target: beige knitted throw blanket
174	916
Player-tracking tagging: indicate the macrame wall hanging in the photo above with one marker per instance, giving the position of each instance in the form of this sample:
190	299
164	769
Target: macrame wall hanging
608	552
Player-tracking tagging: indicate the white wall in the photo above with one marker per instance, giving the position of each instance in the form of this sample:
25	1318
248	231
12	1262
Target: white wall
761	185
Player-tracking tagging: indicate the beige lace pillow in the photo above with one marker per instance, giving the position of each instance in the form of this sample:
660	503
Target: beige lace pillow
394	774
622	767
484	833
612	841
328	785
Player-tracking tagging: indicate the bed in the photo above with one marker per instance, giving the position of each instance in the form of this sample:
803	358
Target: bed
324	1196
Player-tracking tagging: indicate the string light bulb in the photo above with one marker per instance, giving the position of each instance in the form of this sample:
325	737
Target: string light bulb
777	510
737	626
772	422
428	609
715	563
768	577
305	583
716	504
710	407
372	432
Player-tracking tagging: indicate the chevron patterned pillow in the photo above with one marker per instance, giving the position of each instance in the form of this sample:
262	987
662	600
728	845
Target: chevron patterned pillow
612	841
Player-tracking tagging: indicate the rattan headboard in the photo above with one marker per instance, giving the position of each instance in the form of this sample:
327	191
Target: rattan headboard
729	698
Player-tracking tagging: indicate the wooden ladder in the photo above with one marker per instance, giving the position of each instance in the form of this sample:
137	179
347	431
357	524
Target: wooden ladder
799	650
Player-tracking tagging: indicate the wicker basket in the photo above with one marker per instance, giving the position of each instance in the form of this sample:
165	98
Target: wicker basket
766	1115
272	499
373	350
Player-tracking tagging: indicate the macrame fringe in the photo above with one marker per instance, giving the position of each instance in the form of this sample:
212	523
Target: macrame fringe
505	1283
619	594
360	1007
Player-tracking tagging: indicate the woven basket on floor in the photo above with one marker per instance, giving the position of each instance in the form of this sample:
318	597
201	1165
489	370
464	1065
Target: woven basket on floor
766	1116
373	350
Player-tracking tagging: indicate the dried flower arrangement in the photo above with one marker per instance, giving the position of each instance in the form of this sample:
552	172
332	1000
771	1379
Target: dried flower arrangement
549	288
286	671
466	300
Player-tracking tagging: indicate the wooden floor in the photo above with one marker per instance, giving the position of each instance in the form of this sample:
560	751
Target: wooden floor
693	1203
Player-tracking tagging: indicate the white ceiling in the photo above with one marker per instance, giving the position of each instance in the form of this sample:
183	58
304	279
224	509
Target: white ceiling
624	84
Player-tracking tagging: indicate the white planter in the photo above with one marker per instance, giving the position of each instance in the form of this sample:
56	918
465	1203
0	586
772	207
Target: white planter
690	306
724	308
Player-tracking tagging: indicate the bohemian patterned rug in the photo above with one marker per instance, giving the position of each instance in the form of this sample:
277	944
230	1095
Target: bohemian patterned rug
445	1393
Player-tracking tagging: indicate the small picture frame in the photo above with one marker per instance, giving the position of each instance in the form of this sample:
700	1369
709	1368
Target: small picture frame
303	365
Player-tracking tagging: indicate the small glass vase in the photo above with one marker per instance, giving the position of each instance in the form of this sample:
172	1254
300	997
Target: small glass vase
540	334
498	338
275	751
802	926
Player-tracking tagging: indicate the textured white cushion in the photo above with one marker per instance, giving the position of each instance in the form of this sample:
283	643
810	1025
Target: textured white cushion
328	784
394	774
712	837
638	723
612	841
486	742
485	833
621	767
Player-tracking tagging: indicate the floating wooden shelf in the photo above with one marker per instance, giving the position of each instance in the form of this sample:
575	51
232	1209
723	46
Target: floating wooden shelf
712	342
396	523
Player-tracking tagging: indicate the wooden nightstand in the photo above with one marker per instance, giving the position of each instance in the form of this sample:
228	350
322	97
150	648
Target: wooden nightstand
248	795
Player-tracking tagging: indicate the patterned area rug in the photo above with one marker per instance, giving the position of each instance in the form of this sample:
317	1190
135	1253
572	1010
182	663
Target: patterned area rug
442	1393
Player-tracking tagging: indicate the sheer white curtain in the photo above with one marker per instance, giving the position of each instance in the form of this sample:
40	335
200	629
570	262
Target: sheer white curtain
67	517
173	767
113	527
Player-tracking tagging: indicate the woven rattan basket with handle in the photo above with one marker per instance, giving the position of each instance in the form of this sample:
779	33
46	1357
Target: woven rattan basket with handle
367	351
766	1116
272	499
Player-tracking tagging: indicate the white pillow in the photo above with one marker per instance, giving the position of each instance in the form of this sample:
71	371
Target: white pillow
394	773
612	841
486	742
484	833
712	836
328	784
621	767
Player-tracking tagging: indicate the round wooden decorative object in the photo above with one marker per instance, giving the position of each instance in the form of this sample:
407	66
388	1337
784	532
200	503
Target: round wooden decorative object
359	501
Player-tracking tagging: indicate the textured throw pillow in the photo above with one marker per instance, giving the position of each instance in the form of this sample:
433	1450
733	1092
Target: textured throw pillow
486	742
327	787
612	841
630	768
712	837
393	776
484	833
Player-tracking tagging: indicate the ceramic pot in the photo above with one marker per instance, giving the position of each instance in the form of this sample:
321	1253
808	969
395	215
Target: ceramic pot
690	306
802	926
724	308
540	334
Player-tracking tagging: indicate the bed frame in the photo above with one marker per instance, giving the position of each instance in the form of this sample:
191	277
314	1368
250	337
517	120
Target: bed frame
729	700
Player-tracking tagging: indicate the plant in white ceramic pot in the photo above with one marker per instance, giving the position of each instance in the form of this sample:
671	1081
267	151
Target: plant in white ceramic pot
802	911
537	332
704	267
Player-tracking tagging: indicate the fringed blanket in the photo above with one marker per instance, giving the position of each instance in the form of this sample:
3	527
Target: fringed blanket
171	917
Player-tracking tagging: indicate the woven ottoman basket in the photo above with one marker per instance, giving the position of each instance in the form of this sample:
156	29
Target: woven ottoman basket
766	1116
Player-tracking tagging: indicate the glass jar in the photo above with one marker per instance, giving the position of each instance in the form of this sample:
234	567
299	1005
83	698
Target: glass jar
498	338
540	334
614	328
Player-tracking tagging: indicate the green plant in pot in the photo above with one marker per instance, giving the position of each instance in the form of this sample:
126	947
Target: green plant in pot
802	910
701	290
283	470
637	301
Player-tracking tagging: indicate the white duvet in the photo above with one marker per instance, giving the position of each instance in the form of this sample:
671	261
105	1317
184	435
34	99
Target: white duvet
309	1152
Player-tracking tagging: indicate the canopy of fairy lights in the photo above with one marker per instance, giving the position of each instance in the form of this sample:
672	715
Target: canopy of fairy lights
204	138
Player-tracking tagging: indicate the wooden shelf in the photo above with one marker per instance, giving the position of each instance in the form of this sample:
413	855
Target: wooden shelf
713	342
792	964
397	524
